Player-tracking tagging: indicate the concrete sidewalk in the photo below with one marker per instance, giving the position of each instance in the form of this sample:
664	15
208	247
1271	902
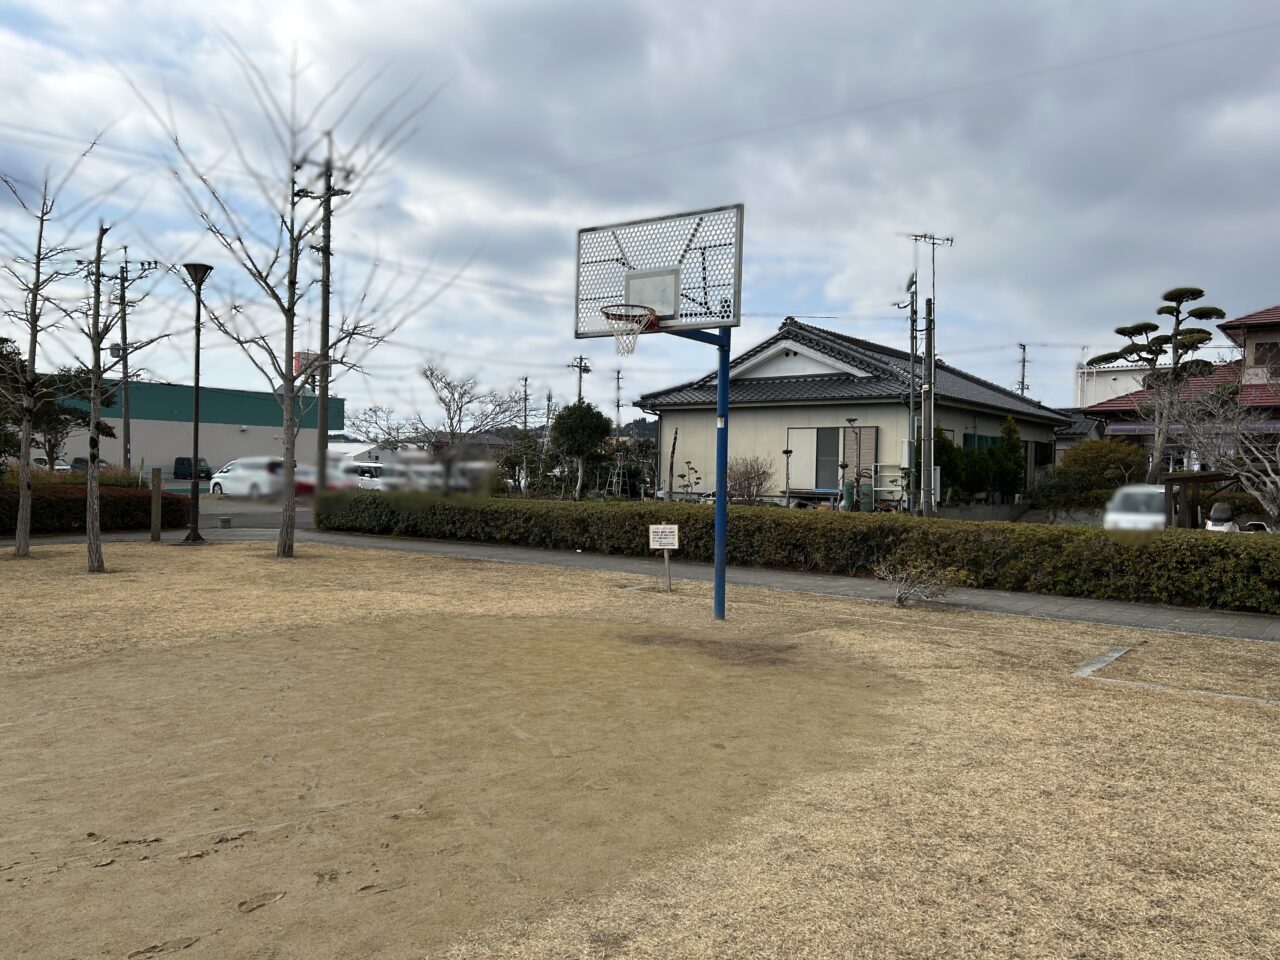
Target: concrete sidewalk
1247	626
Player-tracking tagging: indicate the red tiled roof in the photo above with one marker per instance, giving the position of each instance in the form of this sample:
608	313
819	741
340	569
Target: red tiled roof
1269	316
1251	394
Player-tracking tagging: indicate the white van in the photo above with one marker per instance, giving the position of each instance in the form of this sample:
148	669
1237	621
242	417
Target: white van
250	477
1138	506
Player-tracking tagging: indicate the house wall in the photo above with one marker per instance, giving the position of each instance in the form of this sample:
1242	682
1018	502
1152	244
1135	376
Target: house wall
767	431
1255	370
1096	384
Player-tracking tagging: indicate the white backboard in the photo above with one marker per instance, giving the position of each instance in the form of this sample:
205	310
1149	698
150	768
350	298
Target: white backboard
664	536
687	267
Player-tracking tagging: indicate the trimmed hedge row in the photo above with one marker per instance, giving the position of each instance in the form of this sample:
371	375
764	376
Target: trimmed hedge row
60	509
1182	567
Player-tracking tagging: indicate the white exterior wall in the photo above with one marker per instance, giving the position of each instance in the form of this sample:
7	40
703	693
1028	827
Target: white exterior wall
157	442
1096	384
763	432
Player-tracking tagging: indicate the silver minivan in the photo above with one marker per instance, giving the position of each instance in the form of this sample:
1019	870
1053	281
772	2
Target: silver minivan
1137	506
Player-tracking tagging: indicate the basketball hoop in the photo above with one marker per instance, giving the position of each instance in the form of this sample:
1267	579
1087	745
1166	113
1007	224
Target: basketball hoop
626	322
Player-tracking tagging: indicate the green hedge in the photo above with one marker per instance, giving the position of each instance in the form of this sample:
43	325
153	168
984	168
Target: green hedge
60	509
1183	567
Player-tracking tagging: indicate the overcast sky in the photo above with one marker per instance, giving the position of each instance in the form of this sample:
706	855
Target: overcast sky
1086	156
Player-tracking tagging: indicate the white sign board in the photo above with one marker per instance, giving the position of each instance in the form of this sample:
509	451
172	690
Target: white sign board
664	536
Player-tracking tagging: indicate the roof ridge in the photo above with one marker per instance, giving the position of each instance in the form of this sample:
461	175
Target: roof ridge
844	342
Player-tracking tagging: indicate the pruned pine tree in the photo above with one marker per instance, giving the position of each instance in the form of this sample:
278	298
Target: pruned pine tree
1168	358
266	220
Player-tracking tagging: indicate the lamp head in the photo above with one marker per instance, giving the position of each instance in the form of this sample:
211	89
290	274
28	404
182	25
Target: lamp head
197	272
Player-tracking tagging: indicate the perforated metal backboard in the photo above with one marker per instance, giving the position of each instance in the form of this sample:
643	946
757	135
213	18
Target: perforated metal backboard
687	267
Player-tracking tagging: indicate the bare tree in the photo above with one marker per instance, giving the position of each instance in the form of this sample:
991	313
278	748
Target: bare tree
35	271
379	425
96	329
1226	432
267	221
466	409
747	478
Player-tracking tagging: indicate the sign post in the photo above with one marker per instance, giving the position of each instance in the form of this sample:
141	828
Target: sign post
665	537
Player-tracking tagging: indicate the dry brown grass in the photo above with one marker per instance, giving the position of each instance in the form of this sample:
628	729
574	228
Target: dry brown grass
977	802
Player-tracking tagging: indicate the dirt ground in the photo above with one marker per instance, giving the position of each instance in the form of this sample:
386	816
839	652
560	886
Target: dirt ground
214	753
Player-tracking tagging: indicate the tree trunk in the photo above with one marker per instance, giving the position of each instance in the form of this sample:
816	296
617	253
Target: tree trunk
289	512
93	511
1157	450
582	469
22	531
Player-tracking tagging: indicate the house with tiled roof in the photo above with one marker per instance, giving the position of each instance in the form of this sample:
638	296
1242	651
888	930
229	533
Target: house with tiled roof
1257	373
833	399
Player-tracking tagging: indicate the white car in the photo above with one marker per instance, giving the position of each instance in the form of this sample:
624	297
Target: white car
1138	506
250	477
380	476
59	465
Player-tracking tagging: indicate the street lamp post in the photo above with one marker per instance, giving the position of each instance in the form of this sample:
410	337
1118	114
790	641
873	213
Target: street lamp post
197	272
787	453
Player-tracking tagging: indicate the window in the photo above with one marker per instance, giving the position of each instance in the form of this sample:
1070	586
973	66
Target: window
978	442
828	468
1266	353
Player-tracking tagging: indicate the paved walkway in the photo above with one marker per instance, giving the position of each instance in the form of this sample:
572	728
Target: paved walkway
1249	626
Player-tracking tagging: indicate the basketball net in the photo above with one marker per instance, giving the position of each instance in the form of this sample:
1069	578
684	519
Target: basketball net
626	322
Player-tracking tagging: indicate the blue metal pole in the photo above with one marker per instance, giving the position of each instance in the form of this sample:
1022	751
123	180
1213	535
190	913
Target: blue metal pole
722	469
721	341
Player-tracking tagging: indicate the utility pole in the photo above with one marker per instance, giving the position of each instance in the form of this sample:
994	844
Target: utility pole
126	457
913	348
927	400
546	435
582	365
524	386
617	403
326	288
1022	379
927	492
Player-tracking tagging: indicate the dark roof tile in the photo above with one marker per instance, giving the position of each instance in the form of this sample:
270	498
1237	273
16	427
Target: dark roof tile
889	378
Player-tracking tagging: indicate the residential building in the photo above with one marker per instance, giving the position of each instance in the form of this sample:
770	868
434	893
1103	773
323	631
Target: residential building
1082	427
1257	371
799	389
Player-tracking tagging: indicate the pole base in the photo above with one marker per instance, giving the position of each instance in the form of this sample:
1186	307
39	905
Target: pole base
193	537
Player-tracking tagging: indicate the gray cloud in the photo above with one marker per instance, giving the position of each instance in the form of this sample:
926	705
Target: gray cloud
1076	195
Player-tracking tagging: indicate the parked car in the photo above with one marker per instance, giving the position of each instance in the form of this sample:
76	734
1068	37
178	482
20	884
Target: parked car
1222	518
59	465
1138	506
81	464
182	469
340	475
381	476
1256	526
249	477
